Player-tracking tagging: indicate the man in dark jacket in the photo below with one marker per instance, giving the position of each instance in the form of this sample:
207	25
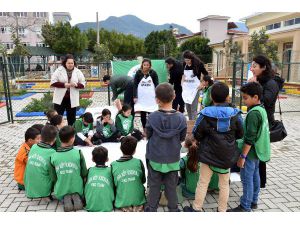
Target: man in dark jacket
217	129
176	71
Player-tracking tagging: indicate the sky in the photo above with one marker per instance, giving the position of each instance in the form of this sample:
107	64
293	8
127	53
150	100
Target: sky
158	12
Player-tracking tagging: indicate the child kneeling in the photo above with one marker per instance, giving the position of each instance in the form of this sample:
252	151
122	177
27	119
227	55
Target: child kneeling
70	169
129	177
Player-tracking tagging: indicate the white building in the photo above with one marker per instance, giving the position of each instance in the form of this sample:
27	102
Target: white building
61	17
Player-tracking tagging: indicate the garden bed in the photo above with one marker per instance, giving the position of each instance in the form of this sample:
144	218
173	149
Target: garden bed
79	112
20	97
87	94
2	104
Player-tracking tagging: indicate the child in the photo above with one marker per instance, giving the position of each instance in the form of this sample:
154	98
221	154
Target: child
105	129
217	129
59	122
84	129
165	129
129	177
125	123
70	170
32	136
206	84
39	174
255	146
99	188
189	170
49	114
38	126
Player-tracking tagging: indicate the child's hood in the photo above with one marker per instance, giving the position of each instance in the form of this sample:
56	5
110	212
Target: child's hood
167	125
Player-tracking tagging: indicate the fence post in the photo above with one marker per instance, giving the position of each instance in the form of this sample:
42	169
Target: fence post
242	80
7	91
233	83
108	87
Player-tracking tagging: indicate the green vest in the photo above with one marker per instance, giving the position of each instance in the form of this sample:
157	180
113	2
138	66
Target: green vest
99	190
206	99
262	143
127	123
107	131
68	172
191	178
37	180
80	127
128	181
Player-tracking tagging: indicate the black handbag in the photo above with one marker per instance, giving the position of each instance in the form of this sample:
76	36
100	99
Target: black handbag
277	129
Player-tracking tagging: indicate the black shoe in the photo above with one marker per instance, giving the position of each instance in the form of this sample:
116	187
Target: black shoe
189	209
237	209
77	202
68	205
253	205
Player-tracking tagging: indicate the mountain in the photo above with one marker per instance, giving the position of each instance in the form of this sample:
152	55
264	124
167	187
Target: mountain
130	24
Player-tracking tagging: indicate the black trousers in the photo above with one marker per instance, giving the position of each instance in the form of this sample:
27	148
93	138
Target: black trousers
66	106
144	118
98	138
128	96
262	174
178	101
155	181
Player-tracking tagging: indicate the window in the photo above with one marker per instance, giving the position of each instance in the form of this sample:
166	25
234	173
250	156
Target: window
2	30
269	27
277	25
9	45
273	26
34	14
289	22
21	30
3	13
297	20
45	14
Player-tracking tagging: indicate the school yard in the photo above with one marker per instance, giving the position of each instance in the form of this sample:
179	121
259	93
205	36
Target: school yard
281	194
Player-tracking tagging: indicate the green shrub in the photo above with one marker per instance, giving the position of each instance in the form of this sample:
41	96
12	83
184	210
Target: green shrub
45	103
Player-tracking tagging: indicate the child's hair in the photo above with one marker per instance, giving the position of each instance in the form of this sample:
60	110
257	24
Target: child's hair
38	127
125	108
208	79
48	134
100	155
252	88
66	134
192	146
31	133
106	78
164	92
128	145
88	117
50	113
105	112
219	92
56	120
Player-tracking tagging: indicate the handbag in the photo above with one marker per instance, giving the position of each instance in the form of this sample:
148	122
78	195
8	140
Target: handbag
277	129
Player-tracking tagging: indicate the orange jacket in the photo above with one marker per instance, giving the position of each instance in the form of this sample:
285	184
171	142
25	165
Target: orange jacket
20	163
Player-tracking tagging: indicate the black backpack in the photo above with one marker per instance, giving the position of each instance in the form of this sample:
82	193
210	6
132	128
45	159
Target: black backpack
280	81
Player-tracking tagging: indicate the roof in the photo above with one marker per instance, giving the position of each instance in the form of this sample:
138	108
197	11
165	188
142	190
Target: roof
252	15
184	36
216	17
237	27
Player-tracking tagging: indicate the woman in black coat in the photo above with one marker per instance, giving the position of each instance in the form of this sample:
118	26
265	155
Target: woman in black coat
262	73
176	71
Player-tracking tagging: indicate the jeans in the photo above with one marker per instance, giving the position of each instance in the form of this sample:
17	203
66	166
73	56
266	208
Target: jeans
193	108
251	183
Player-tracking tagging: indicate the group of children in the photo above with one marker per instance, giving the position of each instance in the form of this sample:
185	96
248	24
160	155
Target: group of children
220	139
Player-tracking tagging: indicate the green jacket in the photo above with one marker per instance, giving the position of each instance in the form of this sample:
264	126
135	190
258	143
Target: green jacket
70	170
99	189
81	128
257	134
129	177
124	124
206	99
39	178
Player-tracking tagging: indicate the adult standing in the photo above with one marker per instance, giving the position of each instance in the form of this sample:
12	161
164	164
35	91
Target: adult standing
176	71
145	82
262	73
67	80
120	84
193	68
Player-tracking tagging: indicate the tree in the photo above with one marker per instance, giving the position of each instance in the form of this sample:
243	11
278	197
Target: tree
102	53
161	43
199	45
63	38
261	45
117	43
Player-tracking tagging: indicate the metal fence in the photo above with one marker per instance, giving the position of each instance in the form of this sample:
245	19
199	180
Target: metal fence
289	96
22	86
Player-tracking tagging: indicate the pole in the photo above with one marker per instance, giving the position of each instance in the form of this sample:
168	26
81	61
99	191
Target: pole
98	38
233	83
